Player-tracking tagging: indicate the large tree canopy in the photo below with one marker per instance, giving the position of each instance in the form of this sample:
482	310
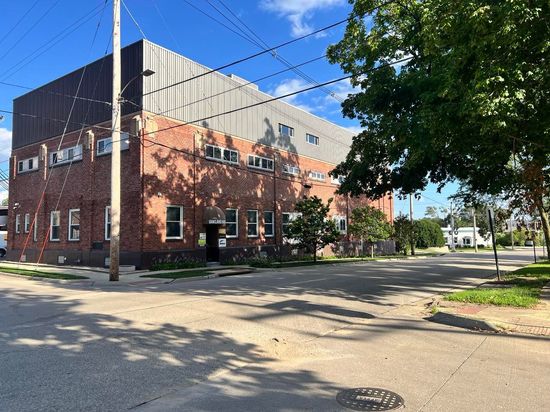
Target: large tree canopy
472	104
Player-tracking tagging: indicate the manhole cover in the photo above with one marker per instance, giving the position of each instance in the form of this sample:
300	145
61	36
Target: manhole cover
369	399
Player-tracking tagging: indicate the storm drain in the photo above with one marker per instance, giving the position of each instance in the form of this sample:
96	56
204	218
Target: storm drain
369	399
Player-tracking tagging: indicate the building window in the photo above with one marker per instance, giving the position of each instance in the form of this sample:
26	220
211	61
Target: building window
291	170
341	224
317	176
27	165
259	162
70	154
269	224
311	139
285	130
252	223
337	180
54	225
174	222
74	224
287	219
231	223
107	222
17	223
221	154
27	223
105	146
35	228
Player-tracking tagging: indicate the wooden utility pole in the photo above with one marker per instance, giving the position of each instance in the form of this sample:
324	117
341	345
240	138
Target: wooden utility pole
413	240
452	229
115	152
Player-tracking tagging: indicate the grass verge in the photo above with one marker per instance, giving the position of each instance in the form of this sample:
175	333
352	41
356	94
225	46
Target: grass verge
39	274
179	275
520	288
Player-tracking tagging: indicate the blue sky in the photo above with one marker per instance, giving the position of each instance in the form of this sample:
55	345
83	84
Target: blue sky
54	37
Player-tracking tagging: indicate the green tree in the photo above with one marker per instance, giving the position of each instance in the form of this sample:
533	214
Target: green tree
402	233
312	230
5	202
471	104
427	233
369	224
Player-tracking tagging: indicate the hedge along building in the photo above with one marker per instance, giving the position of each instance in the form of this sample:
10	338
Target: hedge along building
190	177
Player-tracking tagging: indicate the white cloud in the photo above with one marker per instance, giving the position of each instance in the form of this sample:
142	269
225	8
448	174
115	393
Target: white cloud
355	129
5	143
288	86
299	11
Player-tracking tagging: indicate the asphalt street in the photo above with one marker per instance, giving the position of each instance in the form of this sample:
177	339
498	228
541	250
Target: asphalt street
274	340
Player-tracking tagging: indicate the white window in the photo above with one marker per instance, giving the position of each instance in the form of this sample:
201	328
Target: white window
104	146
337	180
269	224
252	223
54	225
17	223
317	175
69	154
311	139
259	162
27	165
341	224
291	170
27	223
74	224
107	222
285	130
35	228
231	223
221	154
287	219
174	222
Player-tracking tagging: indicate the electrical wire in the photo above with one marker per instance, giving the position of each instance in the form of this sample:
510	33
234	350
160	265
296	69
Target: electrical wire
18	22
39	89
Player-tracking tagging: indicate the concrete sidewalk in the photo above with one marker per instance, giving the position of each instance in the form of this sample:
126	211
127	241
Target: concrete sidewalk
533	321
100	276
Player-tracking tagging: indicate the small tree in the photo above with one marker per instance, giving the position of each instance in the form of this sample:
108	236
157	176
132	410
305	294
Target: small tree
428	234
402	233
369	224
312	230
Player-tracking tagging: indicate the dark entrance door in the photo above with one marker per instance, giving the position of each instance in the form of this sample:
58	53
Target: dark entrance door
212	248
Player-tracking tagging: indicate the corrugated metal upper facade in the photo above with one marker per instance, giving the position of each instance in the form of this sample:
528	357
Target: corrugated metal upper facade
216	93
51	104
195	101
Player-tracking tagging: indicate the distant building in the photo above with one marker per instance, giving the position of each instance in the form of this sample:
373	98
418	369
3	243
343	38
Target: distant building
464	237
195	184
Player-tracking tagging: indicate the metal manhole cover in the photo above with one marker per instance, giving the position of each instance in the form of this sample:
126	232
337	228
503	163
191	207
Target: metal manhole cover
369	399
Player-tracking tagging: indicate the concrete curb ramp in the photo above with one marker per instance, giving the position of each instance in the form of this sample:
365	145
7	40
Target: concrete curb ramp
464	322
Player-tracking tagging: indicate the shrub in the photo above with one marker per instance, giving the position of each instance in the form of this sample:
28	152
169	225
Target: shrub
180	264
427	233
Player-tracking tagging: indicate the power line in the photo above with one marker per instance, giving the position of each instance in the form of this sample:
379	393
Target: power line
280	97
272	49
33	26
51	42
18	22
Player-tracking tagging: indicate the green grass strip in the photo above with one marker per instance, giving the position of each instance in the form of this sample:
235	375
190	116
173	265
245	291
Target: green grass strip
39	274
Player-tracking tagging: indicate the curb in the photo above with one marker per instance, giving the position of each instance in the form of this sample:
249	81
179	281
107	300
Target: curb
464	322
51	280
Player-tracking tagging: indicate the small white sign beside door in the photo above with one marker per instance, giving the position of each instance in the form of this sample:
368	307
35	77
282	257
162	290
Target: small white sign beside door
222	242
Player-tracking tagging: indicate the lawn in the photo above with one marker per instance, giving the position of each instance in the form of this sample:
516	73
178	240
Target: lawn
179	275
520	288
39	274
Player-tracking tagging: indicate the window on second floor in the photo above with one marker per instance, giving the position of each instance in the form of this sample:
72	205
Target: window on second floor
104	146
291	169
27	165
259	162
285	130
341	224
221	154
311	139
317	175
69	154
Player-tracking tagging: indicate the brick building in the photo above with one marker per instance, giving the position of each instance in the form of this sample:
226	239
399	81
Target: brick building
187	174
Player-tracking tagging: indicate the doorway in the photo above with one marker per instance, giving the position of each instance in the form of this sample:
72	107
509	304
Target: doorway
212	247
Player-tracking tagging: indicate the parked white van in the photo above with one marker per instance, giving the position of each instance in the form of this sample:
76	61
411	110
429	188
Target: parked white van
3	243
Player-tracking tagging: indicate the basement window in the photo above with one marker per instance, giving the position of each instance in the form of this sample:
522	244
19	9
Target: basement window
220	153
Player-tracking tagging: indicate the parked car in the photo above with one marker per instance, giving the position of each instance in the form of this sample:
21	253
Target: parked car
3	243
528	243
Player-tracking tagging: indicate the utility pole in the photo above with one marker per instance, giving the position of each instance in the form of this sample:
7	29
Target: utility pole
413	240
115	152
511	233
452	229
475	229
490	215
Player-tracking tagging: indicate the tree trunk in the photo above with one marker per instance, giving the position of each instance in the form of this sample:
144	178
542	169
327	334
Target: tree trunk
315	253
545	226
372	250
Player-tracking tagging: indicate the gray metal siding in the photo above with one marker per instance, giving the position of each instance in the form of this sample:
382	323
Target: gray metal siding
51	104
258	124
